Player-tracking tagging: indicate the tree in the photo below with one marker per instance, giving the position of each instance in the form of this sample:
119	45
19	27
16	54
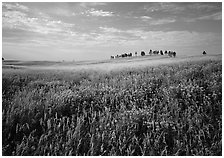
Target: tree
204	53
142	53
161	52
174	54
3	59
150	52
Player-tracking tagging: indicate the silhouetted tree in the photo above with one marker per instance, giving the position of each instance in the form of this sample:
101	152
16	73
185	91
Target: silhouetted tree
170	53
150	52
3	59
135	53
204	53
174	54
161	52
142	53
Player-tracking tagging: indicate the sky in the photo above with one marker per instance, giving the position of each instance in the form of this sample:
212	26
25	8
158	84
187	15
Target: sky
76	31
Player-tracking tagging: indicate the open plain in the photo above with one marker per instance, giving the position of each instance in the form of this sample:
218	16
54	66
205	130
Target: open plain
148	105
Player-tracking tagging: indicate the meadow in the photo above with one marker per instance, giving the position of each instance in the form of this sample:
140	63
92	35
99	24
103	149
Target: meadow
170	109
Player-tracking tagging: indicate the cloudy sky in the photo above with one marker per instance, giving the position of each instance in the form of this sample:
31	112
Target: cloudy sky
89	31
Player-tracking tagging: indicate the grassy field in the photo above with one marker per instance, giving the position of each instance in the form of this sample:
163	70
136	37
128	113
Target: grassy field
104	65
140	106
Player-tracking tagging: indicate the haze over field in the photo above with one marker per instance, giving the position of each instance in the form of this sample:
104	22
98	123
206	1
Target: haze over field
89	31
103	65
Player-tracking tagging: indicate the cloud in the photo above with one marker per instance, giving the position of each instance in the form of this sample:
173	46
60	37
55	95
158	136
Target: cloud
203	6
164	7
161	21
95	12
12	19
110	38
14	6
158	21
215	16
110	35
165	40
171	7
122	36
184	7
60	12
145	18
37	30
92	4
110	29
21	21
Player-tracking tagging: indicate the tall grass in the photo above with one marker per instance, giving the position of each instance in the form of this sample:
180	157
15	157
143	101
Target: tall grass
165	110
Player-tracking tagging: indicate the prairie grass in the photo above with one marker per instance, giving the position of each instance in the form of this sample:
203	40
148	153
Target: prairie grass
165	110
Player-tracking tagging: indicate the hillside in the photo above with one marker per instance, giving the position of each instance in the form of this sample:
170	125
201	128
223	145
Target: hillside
143	106
111	64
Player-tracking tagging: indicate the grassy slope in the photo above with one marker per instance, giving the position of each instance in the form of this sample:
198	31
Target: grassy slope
170	109
112	64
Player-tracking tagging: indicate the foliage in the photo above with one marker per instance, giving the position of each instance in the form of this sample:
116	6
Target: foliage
165	110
